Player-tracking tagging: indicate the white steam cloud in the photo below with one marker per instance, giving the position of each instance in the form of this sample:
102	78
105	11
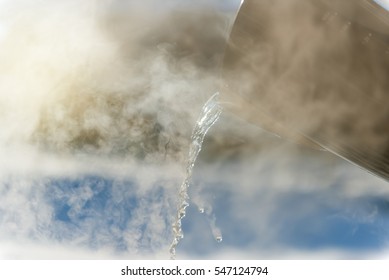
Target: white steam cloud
100	88
97	103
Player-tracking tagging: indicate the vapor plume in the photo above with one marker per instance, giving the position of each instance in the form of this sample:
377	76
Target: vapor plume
98	99
107	77
108	89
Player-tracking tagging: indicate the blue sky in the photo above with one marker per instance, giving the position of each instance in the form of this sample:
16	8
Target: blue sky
267	197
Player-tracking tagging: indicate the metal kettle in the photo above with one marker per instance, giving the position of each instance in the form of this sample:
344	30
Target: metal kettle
316	72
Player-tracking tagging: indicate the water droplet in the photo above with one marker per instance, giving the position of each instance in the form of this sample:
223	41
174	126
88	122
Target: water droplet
201	210
219	239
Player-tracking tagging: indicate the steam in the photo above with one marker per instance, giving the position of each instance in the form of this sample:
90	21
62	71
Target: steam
98	99
111	78
107	88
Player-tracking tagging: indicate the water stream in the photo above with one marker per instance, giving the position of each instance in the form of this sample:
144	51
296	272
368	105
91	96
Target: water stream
209	115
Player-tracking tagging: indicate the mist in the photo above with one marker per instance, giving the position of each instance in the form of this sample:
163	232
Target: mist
97	105
112	78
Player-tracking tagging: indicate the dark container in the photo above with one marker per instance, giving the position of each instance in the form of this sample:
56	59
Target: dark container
316	72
